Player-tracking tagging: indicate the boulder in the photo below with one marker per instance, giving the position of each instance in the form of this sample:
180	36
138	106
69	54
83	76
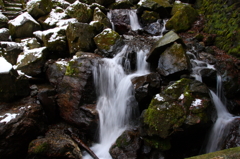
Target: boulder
233	137
178	6
149	17
3	21
32	61
55	144
4	34
23	26
126	146
10	51
209	77
55	41
75	94
30	43
80	37
108	42
183	104
120	19
81	11
99	16
173	61
163	7
145	88
182	19
55	70
20	123
50	20
38	8
63	4
161	45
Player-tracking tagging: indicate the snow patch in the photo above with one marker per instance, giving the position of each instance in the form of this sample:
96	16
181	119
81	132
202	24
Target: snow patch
196	102
21	19
181	97
5	65
159	98
8	117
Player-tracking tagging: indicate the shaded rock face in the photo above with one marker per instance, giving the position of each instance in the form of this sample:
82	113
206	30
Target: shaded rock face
80	37
121	5
163	7
108	42
3	21
38	8
55	144
23	26
32	61
75	92
184	103
99	16
160	46
127	146
145	88
4	34
10	51
149	17
182	19
173	60
105	2
20	122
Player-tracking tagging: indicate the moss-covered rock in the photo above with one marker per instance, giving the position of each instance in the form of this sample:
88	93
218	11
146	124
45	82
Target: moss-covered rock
81	11
149	17
222	19
177	6
182	19
186	102
99	16
157	143
108	42
160	46
23	26
38	8
80	37
173	60
231	153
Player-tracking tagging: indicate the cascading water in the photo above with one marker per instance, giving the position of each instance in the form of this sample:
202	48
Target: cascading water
221	127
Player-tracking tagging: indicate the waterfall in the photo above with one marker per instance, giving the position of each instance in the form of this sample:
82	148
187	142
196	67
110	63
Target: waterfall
115	98
221	127
134	20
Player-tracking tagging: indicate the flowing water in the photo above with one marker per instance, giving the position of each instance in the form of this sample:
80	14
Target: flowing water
221	127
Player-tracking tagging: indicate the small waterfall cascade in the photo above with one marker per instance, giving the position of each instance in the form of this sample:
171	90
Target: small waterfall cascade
222	125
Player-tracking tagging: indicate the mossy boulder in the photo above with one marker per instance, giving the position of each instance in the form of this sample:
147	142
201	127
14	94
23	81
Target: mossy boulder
38	8
163	7
161	45
108	42
99	16
3	21
157	143
177	6
55	144
182	19
126	146
81	11
80	37
32	61
173	60
182	104
23	26
4	34
149	17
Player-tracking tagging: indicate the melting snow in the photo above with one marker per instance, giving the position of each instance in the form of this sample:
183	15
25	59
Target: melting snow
21	19
8	117
141	2
5	66
196	102
181	97
159	98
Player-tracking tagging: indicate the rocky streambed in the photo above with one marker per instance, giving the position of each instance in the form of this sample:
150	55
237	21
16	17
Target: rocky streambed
129	65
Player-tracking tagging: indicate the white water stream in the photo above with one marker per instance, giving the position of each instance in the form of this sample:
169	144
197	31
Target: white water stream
221	127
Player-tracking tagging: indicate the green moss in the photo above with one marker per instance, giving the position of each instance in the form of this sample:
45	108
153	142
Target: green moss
223	20
72	68
40	148
158	143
